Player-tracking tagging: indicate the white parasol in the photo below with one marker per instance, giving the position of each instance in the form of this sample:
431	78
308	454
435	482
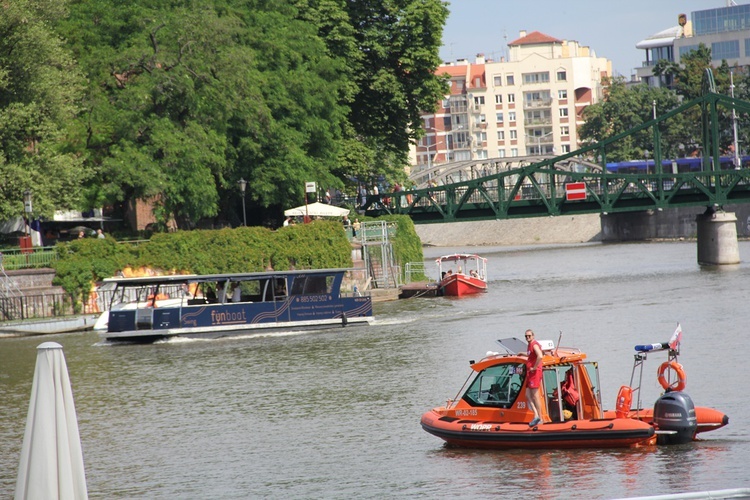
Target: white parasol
51	465
316	210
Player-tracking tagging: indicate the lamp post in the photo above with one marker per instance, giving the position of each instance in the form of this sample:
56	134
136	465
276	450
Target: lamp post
27	208
243	185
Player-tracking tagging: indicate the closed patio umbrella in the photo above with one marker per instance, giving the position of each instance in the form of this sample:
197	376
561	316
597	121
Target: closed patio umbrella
51	465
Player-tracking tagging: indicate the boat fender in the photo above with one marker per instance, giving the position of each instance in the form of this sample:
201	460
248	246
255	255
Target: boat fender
677	385
624	401
344	321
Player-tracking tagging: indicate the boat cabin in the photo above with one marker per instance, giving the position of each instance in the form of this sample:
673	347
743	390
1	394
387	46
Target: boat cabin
570	385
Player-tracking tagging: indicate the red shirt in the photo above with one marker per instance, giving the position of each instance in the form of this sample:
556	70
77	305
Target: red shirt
531	353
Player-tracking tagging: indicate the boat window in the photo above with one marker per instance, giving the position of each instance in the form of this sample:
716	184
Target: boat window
312	285
497	386
591	399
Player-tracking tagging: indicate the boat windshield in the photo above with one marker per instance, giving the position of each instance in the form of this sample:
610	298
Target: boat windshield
497	385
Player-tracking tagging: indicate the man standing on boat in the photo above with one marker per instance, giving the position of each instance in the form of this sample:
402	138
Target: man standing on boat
534	377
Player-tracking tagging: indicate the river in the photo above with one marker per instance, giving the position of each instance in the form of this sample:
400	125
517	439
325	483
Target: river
335	414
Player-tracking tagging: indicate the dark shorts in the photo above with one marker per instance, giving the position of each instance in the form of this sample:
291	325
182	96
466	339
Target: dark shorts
535	378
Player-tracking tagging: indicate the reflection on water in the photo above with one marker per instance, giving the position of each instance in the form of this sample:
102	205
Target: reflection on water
335	413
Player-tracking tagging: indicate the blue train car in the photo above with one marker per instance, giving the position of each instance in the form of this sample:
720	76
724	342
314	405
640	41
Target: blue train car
676	166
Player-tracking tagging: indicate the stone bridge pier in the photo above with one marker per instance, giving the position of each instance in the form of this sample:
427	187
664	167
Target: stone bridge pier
717	237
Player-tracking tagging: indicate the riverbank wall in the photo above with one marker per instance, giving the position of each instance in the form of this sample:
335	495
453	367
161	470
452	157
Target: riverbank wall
677	223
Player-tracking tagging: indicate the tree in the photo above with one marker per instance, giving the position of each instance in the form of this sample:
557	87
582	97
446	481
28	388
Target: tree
40	87
624	108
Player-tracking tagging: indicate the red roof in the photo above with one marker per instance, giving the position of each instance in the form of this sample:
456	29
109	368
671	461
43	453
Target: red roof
535	37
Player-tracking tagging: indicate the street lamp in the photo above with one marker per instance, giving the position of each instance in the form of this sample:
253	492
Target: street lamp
243	184
27	207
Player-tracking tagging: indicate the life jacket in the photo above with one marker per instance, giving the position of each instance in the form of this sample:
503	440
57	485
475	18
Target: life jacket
569	391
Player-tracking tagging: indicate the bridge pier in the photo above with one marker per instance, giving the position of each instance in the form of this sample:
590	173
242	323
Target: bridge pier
717	238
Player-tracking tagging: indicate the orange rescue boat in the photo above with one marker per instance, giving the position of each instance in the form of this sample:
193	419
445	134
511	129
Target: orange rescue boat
492	412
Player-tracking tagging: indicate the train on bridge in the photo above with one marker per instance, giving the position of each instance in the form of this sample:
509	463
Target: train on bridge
676	166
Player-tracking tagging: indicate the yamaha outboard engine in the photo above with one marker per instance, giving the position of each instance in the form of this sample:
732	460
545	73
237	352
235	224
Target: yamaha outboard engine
674	418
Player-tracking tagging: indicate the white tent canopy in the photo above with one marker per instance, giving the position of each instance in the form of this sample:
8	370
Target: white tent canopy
316	210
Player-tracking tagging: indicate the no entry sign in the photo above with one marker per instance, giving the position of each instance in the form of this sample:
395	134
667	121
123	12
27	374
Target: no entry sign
575	191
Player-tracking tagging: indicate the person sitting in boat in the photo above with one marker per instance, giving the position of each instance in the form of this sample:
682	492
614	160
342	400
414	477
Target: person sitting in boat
473	273
460	271
449	273
236	292
221	294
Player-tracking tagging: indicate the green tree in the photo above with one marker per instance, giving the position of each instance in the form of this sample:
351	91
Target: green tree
624	108
40	88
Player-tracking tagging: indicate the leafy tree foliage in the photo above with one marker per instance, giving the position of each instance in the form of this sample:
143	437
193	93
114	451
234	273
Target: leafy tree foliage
187	97
40	89
626	107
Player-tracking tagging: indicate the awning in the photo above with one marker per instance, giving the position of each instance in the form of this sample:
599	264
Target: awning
316	210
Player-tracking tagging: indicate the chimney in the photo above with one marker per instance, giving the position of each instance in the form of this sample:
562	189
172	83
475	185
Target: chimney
522	34
479	59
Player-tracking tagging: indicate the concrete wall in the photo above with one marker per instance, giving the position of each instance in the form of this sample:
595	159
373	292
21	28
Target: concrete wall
631	226
671	223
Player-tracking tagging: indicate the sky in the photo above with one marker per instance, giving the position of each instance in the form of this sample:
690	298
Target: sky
611	28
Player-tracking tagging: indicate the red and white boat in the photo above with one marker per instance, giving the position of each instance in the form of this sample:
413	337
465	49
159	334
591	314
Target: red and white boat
462	274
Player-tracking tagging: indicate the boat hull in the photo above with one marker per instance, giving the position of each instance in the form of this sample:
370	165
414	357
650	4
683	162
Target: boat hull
600	433
459	285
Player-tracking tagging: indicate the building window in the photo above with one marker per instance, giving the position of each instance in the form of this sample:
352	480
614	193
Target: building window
566	148
511	97
563	112
725	50
498	81
562	76
498	99
687	49
513	134
747	47
562	94
499	117
514	151
482	154
501	153
482	119
479	100
500	135
564	131
511	116
509	80
541	77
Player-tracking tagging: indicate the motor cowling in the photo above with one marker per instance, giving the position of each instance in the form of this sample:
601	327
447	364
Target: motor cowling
674	418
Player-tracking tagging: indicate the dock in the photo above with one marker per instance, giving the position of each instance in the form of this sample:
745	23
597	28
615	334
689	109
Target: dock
419	289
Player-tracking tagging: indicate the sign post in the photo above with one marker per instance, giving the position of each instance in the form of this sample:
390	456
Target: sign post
309	188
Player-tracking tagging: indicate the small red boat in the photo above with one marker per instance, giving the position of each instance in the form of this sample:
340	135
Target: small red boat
493	411
468	277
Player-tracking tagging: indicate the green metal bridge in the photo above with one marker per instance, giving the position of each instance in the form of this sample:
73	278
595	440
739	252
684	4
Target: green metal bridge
551	187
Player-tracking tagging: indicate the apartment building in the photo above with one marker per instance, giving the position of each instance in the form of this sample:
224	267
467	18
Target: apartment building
724	30
528	105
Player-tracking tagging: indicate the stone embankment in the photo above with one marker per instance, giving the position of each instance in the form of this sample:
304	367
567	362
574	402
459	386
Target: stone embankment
538	230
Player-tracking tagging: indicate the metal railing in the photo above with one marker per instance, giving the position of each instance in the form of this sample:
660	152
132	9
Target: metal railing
13	259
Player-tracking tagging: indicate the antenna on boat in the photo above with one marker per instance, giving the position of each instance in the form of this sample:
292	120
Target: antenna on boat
558	342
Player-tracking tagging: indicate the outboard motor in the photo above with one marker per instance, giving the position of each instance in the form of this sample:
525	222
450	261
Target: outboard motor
674	418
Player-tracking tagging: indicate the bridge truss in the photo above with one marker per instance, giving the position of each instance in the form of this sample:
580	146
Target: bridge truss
539	188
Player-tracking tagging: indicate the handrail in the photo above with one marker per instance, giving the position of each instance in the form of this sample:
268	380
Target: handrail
13	259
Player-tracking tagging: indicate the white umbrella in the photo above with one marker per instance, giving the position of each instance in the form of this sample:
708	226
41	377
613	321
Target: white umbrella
317	210
51	465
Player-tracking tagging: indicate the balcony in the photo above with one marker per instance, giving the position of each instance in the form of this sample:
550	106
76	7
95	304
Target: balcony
537	103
